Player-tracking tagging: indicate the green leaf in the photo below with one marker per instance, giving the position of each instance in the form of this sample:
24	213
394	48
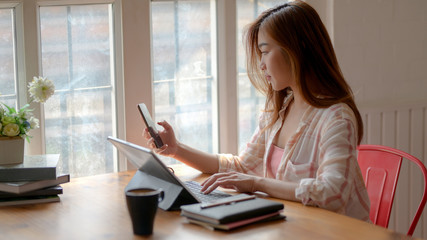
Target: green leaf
11	109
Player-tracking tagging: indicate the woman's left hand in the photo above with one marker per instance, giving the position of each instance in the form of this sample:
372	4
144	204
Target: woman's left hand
232	180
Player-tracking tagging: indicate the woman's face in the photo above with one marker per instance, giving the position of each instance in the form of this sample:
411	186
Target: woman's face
274	63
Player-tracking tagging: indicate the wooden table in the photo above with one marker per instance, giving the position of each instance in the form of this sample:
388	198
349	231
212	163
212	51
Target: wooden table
95	208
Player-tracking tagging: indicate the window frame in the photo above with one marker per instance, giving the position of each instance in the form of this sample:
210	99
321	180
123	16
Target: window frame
18	47
228	76
29	63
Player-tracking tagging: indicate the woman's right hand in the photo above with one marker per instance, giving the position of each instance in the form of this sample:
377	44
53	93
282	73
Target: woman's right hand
170	144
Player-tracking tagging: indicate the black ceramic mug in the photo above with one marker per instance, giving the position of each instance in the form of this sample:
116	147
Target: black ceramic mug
142	205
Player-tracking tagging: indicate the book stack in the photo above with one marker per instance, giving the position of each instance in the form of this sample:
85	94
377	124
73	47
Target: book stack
36	180
233	212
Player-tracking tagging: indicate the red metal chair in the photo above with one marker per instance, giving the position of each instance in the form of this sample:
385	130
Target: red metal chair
380	167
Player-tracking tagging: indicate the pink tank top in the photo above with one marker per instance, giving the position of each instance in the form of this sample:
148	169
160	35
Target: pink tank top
274	158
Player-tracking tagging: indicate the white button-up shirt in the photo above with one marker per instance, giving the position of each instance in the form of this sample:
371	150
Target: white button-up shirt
321	156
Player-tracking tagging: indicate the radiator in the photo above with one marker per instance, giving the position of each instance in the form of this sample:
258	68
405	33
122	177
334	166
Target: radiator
404	128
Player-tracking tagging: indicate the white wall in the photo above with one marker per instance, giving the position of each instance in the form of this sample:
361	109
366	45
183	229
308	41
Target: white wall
382	48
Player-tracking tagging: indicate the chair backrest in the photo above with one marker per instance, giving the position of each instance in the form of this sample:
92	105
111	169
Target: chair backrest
380	166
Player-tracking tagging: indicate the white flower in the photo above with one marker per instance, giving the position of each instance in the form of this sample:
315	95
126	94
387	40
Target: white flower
34	123
41	89
11	130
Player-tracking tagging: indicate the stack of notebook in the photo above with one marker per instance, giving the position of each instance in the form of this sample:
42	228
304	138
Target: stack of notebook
233	212
36	180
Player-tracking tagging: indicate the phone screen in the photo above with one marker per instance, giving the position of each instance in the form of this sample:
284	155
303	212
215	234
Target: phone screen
150	124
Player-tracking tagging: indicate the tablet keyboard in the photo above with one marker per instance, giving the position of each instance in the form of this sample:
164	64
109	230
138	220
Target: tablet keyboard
213	196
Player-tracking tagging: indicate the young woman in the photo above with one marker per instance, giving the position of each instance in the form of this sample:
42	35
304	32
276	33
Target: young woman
304	148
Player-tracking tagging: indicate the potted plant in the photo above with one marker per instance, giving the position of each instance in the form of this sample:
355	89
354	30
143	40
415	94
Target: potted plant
15	124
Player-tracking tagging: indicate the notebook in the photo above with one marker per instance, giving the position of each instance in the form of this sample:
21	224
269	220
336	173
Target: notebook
233	212
152	172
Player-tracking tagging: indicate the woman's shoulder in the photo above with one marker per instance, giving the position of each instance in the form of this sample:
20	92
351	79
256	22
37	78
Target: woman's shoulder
337	111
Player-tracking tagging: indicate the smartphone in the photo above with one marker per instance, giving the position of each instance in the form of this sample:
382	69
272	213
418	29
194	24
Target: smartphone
150	125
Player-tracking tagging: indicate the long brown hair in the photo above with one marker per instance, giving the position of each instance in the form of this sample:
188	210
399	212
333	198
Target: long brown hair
303	38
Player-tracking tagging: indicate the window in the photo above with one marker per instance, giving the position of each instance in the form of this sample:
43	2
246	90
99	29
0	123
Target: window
8	76
77	55
183	49
76	50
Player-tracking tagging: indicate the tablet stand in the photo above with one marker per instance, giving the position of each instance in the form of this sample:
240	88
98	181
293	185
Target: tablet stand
175	195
